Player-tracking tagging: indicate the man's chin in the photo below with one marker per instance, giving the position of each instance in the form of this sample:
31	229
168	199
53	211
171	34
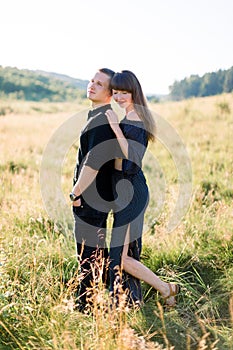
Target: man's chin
91	97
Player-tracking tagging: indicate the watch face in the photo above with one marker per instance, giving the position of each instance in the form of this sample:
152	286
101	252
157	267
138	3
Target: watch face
72	196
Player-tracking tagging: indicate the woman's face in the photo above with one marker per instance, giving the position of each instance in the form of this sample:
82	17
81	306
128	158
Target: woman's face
123	98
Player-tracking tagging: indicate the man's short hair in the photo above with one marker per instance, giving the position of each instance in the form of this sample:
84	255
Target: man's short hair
110	73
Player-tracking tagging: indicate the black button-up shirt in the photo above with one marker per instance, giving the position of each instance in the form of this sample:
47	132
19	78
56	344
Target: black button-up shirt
97	149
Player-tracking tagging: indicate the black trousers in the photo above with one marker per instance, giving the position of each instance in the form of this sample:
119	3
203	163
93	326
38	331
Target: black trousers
90	235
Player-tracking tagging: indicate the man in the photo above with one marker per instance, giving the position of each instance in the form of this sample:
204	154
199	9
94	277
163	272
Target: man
92	189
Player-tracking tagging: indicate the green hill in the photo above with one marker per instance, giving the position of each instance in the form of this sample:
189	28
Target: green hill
38	85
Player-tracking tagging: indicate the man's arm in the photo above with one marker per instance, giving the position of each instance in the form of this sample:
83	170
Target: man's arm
101	150
86	177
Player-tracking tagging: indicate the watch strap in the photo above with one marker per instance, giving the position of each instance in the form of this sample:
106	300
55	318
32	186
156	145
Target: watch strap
73	197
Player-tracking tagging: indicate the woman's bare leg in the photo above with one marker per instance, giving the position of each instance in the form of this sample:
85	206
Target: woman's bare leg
140	271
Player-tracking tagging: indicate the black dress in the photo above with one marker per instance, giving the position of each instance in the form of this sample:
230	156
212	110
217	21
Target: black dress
131	199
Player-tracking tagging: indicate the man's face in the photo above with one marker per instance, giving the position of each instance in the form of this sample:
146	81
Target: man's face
98	88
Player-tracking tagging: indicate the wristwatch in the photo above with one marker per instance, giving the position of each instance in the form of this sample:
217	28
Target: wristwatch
73	197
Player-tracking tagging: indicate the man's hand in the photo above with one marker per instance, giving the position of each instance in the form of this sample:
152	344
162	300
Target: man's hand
77	203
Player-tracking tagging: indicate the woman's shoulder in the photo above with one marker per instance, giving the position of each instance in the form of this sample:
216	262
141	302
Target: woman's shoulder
133	117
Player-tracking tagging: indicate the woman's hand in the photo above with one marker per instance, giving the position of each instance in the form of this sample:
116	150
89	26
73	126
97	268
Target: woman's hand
112	118
114	124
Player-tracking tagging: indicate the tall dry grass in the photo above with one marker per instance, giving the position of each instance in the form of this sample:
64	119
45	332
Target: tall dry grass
39	269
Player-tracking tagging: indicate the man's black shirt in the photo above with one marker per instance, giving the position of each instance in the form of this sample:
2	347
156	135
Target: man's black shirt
97	149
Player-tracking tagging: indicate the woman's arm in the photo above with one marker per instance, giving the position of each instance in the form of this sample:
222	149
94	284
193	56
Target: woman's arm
114	123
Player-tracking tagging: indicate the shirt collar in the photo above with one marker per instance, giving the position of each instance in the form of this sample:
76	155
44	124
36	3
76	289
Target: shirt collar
101	109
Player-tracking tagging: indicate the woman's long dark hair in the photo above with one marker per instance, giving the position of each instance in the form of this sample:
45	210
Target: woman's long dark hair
127	81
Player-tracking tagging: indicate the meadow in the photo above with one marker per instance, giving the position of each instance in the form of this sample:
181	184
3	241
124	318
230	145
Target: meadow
38	265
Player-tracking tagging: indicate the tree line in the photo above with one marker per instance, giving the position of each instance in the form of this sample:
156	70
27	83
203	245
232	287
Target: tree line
39	86
43	86
213	83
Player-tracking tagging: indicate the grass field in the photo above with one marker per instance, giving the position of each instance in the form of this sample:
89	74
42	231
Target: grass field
38	267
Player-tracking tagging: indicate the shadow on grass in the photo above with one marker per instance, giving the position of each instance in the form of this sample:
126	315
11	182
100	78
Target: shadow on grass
202	313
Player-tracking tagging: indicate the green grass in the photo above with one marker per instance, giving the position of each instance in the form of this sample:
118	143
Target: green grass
39	269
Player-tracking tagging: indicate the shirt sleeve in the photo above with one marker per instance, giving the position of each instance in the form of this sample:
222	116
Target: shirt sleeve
101	144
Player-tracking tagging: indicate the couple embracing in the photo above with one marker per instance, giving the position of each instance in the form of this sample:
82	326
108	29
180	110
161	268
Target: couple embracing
108	177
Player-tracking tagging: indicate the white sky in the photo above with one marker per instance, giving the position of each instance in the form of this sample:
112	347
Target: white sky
159	40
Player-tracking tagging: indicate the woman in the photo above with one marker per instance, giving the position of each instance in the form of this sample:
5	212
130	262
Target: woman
131	191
